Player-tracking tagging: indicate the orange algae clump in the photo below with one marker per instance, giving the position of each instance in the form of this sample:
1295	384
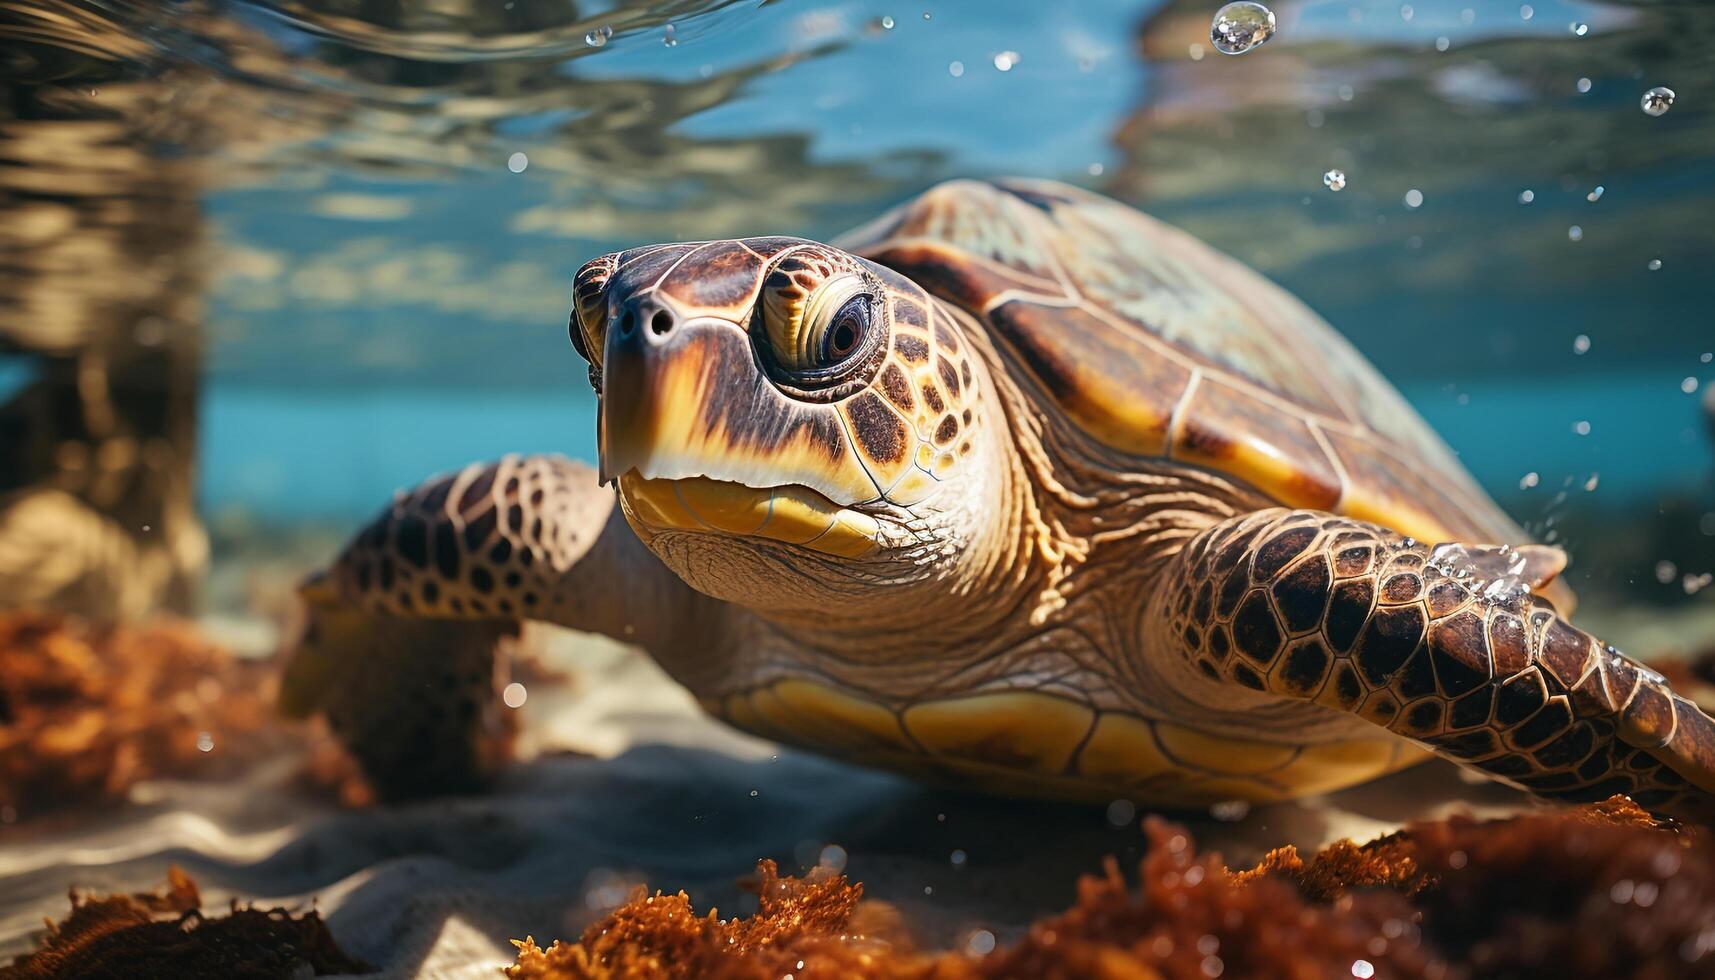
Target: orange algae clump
166	935
1603	891
85	711
807	927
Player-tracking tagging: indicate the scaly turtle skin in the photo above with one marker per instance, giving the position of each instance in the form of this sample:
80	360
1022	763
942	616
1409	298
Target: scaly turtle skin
1017	488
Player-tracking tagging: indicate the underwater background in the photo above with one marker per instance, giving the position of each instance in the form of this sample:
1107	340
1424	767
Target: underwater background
264	262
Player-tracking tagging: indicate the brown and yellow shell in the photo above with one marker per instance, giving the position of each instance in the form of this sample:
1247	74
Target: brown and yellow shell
1159	346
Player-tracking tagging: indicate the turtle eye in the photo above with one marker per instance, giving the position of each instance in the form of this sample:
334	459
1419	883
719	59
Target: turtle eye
844	334
818	331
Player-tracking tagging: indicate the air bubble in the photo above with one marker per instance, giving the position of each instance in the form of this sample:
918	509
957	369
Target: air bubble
1654	265
1578	29
1121	812
1581	427
1657	101
1595	195
1526	196
205	742
1688	386
1526	12
1414	198
517	162
1581	344
958	858
1582	86
1241	27
887	23
514	695
956	69
1005	60
1443	42
1334	180
598	37
981	943
670	36
1575	233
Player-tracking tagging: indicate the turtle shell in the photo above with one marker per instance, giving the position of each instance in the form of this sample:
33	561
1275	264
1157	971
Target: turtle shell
1159	346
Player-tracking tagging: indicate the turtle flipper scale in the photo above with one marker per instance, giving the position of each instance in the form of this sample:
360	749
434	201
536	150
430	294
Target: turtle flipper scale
1309	605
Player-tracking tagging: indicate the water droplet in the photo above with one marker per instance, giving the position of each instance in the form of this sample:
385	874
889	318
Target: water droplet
956	69
1414	198
1581	344
1334	180
1005	60
1688	386
205	742
958	858
1526	12
1657	101
517	162
1575	233
1583	85
514	695
1595	195
1578	29
1241	26
1526	196
1443	42
1581	427
670	36
1654	265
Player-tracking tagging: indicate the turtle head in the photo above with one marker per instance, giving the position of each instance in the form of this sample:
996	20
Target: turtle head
776	400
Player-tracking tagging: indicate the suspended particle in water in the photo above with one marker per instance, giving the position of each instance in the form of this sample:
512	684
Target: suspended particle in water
1241	26
1443	42
1096	169
670	36
1595	195
1654	265
517	162
833	856
1230	811
1121	812
1581	344
1657	101
1581	427
1194	52
1334	180
956	69
1405	11
1529	480
1314	118
1582	86
514	695
1591	484
1414	198
1526	196
1575	233
1468	16
1706	356
1578	29
1666	571
1526	12
1005	60
1688	386
958	858
981	943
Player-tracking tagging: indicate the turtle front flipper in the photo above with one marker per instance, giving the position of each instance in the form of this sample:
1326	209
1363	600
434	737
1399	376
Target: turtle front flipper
1442	645
400	634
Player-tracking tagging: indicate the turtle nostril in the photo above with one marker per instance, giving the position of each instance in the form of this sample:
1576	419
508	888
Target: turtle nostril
662	323
627	322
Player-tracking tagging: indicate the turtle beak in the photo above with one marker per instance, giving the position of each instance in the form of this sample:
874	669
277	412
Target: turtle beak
698	438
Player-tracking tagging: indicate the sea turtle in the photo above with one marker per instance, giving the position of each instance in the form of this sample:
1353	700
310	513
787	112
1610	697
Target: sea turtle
1015	487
